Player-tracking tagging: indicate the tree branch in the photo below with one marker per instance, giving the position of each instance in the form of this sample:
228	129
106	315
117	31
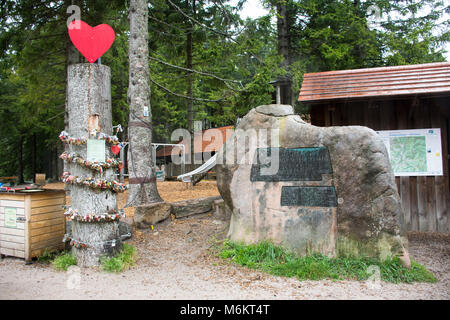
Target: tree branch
226	35
199	72
183	96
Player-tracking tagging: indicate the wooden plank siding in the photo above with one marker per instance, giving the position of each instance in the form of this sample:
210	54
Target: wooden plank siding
47	222
425	199
43	223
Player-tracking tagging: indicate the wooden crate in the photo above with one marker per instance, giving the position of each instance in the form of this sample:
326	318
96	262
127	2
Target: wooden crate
31	222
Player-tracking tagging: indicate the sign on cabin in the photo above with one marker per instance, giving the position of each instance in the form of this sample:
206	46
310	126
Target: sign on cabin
415	152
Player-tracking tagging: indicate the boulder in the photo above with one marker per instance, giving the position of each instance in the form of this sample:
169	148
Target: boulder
312	189
221	211
147	215
191	207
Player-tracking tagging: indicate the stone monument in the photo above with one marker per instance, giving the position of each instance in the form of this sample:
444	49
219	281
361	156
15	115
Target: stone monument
311	189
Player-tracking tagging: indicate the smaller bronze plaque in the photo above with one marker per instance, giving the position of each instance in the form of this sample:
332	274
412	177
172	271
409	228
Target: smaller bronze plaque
308	196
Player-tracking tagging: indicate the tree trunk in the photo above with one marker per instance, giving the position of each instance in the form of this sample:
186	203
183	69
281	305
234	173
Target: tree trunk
59	161
72	57
95	79
284	48
55	164
190	80
141	170
33	157
283	33
20	160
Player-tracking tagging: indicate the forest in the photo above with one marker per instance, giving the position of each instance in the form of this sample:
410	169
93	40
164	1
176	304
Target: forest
207	63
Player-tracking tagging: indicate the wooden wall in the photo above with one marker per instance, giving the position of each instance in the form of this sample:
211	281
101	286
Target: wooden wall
12	240
42	224
425	199
47	222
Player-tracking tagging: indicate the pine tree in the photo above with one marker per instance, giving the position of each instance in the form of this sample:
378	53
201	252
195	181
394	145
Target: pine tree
141	169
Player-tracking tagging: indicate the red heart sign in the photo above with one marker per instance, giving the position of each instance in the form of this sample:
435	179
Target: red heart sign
91	42
115	149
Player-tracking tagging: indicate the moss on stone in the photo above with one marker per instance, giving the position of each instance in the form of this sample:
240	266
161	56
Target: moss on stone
382	248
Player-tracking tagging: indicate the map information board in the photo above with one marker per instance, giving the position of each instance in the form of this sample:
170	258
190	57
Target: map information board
416	152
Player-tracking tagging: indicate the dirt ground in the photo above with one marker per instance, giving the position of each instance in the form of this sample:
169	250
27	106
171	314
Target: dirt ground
175	262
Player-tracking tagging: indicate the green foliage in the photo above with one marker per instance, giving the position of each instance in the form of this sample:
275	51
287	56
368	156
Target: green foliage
64	261
33	63
324	35
47	256
278	261
122	261
413	32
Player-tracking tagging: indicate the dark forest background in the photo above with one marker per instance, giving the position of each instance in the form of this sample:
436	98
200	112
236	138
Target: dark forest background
203	57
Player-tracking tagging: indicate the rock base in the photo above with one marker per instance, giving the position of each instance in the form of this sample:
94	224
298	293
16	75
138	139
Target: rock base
191	207
147	215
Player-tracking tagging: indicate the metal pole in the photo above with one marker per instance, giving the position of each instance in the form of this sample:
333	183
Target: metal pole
154	155
278	94
183	160
121	170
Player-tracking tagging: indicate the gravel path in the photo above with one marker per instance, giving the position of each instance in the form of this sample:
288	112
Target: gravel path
174	263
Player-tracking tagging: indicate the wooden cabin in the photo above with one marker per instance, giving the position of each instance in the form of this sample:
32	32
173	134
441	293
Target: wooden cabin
393	98
206	144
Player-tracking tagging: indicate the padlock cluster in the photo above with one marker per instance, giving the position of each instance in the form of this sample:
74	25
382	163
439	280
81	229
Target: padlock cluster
94	165
94	183
66	138
112	215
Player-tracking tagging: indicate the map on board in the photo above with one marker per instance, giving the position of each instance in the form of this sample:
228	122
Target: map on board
414	152
408	154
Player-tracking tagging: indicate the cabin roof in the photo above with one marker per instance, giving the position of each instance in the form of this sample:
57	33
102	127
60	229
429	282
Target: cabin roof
376	82
206	145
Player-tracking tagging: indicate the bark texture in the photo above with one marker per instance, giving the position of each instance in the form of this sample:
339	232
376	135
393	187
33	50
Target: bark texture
142	180
95	79
285	50
20	160
190	80
283	33
72	57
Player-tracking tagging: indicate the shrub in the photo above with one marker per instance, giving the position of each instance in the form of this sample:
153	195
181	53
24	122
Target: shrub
278	261
122	261
64	261
47	256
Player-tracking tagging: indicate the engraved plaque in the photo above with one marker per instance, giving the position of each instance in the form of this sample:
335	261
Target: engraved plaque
308	196
299	164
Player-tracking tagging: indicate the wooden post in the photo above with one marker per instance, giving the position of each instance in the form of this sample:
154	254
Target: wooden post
89	105
278	94
121	178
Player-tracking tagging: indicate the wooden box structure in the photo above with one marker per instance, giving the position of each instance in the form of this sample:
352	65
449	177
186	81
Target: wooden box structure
393	98
30	222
